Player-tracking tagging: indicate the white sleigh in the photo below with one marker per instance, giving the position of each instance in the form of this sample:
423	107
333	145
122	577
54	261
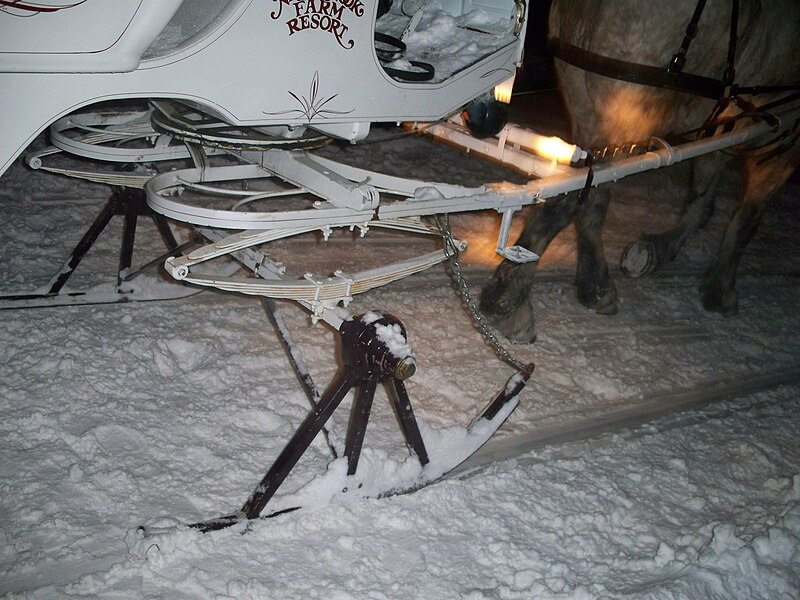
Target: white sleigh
247	62
262	82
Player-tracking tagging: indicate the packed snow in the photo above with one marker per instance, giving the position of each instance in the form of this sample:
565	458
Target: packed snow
166	413
449	43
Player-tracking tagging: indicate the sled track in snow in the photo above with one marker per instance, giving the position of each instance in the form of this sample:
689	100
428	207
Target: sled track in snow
651	407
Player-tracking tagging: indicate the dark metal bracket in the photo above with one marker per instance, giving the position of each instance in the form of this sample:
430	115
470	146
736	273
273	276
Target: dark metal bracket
129	203
367	361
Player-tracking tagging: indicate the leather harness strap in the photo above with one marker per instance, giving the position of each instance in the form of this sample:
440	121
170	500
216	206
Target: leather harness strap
679	59
634	72
672	77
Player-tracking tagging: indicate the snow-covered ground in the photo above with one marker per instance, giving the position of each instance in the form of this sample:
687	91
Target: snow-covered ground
164	413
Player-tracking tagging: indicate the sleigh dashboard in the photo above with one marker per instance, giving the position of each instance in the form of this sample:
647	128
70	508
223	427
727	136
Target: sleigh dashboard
266	63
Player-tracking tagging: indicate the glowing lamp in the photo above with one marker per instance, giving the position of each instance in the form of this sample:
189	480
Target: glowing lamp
557	149
549	147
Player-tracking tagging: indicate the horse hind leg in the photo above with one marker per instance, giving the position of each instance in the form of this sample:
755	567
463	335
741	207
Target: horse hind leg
652	251
595	288
506	299
762	180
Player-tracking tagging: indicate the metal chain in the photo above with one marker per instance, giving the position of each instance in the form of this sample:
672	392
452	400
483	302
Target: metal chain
479	320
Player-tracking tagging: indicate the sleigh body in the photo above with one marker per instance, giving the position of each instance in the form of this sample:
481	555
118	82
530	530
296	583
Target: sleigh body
240	92
248	62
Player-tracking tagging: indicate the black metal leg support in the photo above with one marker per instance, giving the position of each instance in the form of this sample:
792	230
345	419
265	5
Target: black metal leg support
408	423
367	361
130	204
126	250
299	443
288	457
358	424
297	362
166	233
88	239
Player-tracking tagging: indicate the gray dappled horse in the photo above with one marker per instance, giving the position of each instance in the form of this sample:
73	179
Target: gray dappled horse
606	111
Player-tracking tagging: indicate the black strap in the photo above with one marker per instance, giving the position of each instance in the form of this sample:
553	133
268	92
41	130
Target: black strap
730	72
672	78
583	195
677	62
422	71
635	73
729	75
397	47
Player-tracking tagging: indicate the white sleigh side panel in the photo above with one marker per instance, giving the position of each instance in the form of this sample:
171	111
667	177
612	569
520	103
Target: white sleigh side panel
58	36
274	62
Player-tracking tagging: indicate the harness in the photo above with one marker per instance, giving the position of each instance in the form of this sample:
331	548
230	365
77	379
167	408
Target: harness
724	90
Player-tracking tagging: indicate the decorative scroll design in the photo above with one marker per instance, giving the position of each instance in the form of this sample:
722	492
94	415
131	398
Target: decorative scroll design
313	105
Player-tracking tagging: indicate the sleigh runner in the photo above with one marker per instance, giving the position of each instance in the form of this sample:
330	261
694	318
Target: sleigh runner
247	174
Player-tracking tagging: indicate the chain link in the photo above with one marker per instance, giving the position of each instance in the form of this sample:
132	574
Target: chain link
479	320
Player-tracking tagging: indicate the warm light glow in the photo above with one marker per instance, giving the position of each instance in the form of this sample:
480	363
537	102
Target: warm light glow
502	91
633	113
555	149
551	148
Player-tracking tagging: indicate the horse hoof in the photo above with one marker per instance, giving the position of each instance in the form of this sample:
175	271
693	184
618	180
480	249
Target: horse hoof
638	259
725	304
607	304
518	327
